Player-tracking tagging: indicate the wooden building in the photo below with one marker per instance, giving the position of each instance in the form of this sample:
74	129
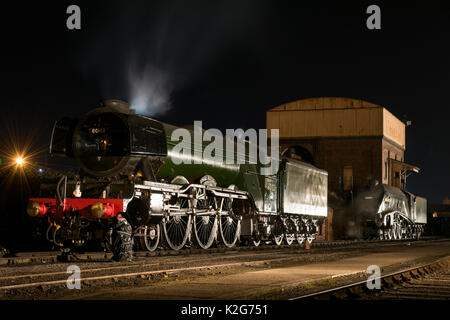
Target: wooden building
354	140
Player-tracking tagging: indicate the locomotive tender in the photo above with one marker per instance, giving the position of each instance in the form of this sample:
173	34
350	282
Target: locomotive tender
128	166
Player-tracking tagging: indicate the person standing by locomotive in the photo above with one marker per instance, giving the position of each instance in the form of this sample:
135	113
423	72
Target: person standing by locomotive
122	239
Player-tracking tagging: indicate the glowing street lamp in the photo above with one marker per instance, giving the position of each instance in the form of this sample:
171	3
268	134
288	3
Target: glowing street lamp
20	161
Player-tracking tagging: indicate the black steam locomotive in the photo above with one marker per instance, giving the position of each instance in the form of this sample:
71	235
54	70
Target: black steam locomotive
387	213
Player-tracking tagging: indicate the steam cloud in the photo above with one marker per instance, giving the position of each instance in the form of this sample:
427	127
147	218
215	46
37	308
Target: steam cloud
150	90
164	47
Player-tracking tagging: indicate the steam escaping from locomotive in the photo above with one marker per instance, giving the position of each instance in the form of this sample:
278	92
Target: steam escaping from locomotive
149	89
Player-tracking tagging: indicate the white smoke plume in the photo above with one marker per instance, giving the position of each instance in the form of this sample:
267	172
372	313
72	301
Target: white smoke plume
149	89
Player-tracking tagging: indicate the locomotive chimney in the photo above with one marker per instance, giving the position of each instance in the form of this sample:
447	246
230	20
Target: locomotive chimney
119	105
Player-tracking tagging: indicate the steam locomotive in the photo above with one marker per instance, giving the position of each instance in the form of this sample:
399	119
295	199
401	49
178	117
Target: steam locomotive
385	212
128	165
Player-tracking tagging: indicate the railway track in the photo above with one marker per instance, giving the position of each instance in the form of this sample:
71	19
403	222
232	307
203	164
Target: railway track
434	286
56	274
430	281
42	280
145	271
138	264
52	257
144	268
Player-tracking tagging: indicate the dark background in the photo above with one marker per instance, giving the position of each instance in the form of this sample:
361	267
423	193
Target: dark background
226	63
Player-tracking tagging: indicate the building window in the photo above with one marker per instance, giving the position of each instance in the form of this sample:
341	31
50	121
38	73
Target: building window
385	170
348	178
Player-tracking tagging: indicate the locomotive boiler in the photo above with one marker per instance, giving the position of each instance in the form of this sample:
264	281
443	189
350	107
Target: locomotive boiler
389	213
128	165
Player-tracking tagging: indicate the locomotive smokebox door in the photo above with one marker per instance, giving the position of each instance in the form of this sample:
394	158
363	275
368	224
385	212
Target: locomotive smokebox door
107	142
101	143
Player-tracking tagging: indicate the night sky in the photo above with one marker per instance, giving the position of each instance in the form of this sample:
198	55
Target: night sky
227	63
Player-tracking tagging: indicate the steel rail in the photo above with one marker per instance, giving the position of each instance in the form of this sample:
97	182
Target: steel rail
146	273
127	266
36	259
361	286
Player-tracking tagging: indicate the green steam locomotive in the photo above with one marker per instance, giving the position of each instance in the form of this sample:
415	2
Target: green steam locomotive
130	164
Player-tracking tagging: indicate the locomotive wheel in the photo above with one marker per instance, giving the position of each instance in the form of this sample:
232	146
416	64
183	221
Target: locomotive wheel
278	240
251	241
399	231
418	233
150	239
205	227
389	234
394	232
256	243
278	233
409	233
229	226
229	230
300	238
289	236
176	231
205	230
415	233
